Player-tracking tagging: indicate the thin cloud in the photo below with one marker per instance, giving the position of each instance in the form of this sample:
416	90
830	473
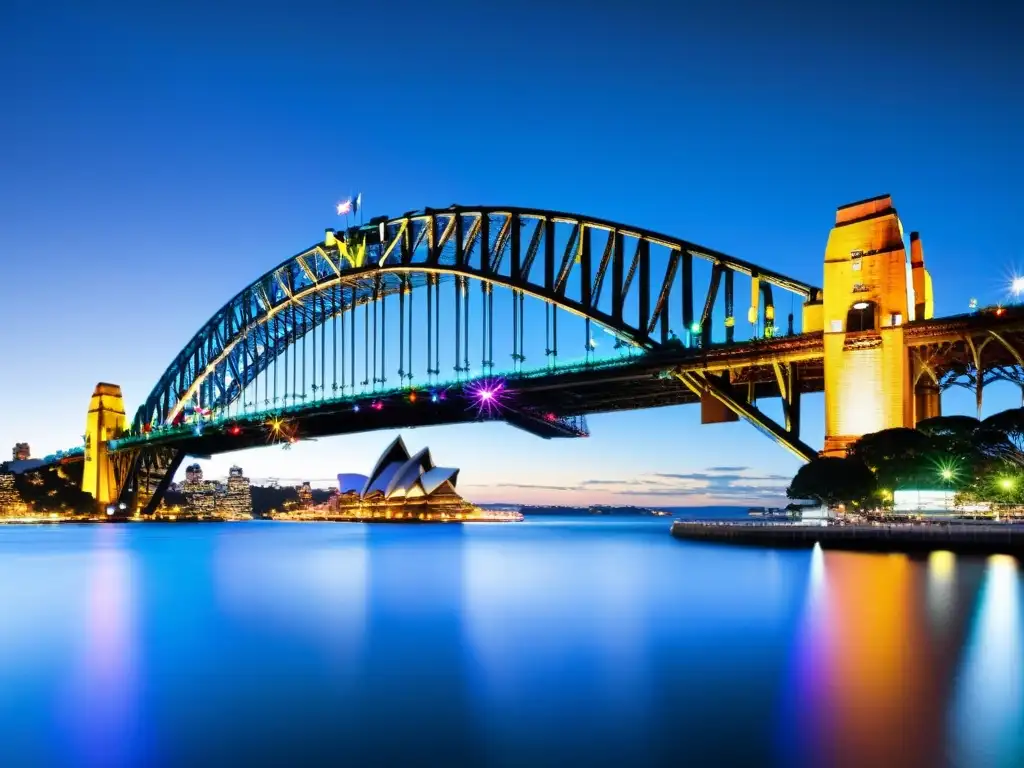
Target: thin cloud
523	486
722	485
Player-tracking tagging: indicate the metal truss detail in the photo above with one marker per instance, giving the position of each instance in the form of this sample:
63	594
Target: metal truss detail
633	282
703	383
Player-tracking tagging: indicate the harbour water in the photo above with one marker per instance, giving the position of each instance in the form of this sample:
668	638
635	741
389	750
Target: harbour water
548	642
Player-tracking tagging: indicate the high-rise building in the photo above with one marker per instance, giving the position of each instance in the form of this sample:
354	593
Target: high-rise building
200	497
305	495
22	452
237	501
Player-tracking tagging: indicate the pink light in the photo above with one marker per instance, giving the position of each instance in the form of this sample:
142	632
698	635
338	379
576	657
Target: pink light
488	396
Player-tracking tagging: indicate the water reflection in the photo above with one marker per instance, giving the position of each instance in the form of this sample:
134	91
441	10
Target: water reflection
101	706
863	689
535	644
941	594
988	711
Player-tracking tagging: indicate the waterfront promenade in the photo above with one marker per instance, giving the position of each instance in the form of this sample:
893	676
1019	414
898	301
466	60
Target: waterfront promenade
966	538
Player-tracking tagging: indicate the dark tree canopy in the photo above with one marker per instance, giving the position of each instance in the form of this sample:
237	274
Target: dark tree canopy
900	458
832	481
1011	425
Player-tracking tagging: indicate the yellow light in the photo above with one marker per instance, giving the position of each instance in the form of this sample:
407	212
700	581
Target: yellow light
947	474
1006	483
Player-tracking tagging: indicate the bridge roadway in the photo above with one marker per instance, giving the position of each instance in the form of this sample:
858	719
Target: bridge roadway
948	345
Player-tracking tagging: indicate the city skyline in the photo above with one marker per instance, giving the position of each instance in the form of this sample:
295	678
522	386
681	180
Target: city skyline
184	166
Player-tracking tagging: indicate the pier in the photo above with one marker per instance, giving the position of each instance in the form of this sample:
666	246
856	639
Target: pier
966	538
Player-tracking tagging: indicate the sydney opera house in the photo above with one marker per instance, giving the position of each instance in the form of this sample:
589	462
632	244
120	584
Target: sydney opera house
403	487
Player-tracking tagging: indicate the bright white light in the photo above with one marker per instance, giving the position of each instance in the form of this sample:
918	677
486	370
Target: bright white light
861	305
486	394
1017	286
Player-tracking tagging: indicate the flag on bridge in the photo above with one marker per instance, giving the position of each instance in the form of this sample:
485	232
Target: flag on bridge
357	204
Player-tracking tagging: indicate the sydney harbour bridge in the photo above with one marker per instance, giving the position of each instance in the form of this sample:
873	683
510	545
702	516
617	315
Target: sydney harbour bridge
539	318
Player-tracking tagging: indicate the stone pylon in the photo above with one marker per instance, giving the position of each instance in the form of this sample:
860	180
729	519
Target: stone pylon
105	422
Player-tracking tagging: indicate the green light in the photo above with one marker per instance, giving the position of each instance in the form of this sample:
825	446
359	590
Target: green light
695	328
1006	483
947	474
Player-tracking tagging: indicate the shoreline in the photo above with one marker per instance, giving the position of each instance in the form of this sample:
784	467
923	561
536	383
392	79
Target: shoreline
906	538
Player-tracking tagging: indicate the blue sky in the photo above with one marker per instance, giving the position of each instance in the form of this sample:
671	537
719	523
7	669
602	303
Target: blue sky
155	160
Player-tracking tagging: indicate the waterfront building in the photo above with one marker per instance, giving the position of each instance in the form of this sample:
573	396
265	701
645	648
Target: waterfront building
237	501
305	496
11	502
200	496
403	487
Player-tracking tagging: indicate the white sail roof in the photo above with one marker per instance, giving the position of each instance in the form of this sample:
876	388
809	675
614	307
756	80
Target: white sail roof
351	483
407	476
399	475
394	456
434	478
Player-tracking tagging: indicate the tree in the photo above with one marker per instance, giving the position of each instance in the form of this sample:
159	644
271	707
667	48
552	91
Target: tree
900	458
952	434
1010	424
831	481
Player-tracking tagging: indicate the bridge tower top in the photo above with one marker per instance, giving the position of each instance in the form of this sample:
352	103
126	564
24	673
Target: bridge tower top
105	421
869	282
870	289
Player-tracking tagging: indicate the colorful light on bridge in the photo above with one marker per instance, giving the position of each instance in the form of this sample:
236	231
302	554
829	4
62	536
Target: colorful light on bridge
234	430
355	408
487	396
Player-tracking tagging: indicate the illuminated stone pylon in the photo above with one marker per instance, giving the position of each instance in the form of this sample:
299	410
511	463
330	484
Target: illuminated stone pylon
104	422
871	289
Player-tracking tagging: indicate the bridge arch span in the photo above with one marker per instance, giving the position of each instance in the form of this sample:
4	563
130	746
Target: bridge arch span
635	283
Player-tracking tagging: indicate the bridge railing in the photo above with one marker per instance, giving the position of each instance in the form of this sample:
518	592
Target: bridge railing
197	425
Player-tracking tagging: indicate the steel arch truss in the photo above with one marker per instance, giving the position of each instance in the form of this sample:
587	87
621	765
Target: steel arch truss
625	283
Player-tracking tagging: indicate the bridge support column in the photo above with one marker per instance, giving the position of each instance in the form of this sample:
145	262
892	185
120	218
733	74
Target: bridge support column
868	296
927	400
104	422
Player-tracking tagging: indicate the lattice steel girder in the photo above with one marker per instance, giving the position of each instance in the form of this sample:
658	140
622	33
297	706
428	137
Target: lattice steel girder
706	383
153	466
482	243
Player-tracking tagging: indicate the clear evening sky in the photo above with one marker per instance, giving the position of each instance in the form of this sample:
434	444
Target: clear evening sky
156	161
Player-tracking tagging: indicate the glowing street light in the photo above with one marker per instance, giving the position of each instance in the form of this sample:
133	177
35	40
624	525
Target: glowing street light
947	473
